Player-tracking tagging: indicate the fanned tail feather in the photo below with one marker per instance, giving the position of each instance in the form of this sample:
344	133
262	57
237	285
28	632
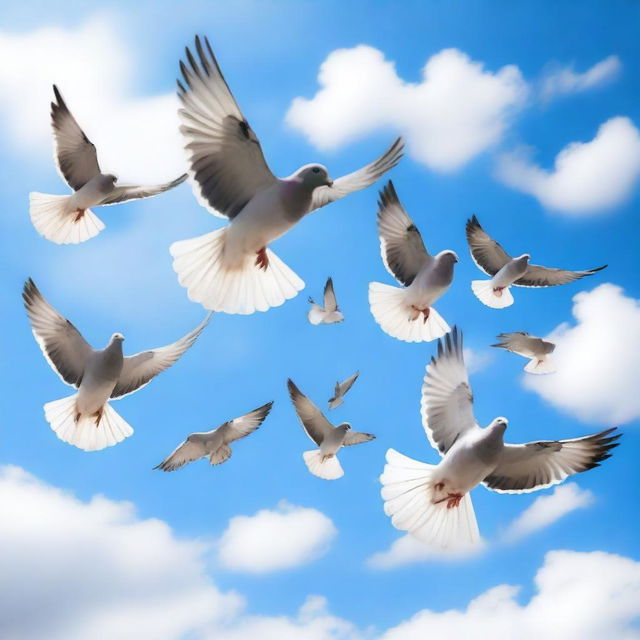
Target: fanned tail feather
244	289
485	293
52	219
542	365
328	469
390	310
407	493
85	434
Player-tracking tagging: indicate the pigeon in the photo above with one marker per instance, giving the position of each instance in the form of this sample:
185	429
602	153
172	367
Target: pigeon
341	390
86	419
328	314
524	344
432	502
323	462
69	219
491	258
231	269
406	312
215	444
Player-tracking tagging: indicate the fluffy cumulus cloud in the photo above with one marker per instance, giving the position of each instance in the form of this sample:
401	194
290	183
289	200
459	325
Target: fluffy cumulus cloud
598	359
548	509
579	596
561	81
456	111
587	178
94	67
272	540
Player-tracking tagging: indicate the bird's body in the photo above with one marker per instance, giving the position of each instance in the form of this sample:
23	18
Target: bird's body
536	349
511	272
431	282
329	313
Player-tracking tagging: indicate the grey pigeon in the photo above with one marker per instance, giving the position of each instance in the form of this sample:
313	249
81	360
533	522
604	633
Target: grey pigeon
506	271
524	344
341	390
232	269
330	312
432	502
86	419
69	219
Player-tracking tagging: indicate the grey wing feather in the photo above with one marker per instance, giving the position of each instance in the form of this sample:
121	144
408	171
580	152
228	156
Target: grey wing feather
75	154
359	179
524	343
401	245
356	437
132	192
138	370
536	465
246	424
537	276
227	165
184	453
62	344
330	302
485	251
313	421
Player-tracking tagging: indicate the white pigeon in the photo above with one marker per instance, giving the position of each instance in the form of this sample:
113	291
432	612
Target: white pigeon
86	419
215	444
407	312
432	502
231	269
69	219
506	271
323	462
328	314
524	344
341	390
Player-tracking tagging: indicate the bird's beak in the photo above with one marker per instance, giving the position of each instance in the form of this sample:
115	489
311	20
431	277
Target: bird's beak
329	182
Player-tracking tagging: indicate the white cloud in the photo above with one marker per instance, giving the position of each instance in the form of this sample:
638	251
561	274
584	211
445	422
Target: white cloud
598	359
579	596
476	360
588	177
564	80
94	67
548	509
458	110
286	537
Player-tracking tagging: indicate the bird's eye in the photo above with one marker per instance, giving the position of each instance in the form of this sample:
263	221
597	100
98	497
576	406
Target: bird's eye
316	170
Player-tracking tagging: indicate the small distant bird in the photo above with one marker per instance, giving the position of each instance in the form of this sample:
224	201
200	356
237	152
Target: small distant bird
231	269
407	313
524	344
328	314
69	219
341	390
323	462
433	502
85	419
491	258
215	444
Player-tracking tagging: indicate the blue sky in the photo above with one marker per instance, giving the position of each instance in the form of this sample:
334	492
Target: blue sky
123	281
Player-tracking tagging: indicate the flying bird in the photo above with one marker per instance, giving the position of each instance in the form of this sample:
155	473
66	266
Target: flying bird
232	269
69	219
323	462
328	314
432	502
407	312
505	271
524	344
341	390
215	444
86	419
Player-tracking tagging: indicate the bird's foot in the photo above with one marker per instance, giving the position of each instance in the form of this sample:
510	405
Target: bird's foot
98	416
79	215
77	418
454	500
326	457
498	291
417	311
262	259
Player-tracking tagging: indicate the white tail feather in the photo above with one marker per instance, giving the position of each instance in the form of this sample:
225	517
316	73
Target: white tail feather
407	493
485	293
328	469
85	434
318	315
244	289
391	311
542	365
52	219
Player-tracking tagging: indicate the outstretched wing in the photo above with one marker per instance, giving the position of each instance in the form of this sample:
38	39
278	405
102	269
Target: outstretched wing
132	192
359	179
138	370
246	424
536	465
356	437
313	421
184	453
537	276
62	344
485	251
330	302
75	154
401	245
227	165
447	401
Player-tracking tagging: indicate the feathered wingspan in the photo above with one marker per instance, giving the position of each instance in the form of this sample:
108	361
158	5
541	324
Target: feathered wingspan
488	254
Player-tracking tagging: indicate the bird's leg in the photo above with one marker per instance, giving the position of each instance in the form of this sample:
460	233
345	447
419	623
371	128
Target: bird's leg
498	291
454	500
79	215
417	311
327	456
262	259
98	416
78	415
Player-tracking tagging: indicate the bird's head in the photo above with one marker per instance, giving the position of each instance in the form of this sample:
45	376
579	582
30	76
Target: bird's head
499	424
117	337
449	256
345	425
315	175
111	177
525	257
